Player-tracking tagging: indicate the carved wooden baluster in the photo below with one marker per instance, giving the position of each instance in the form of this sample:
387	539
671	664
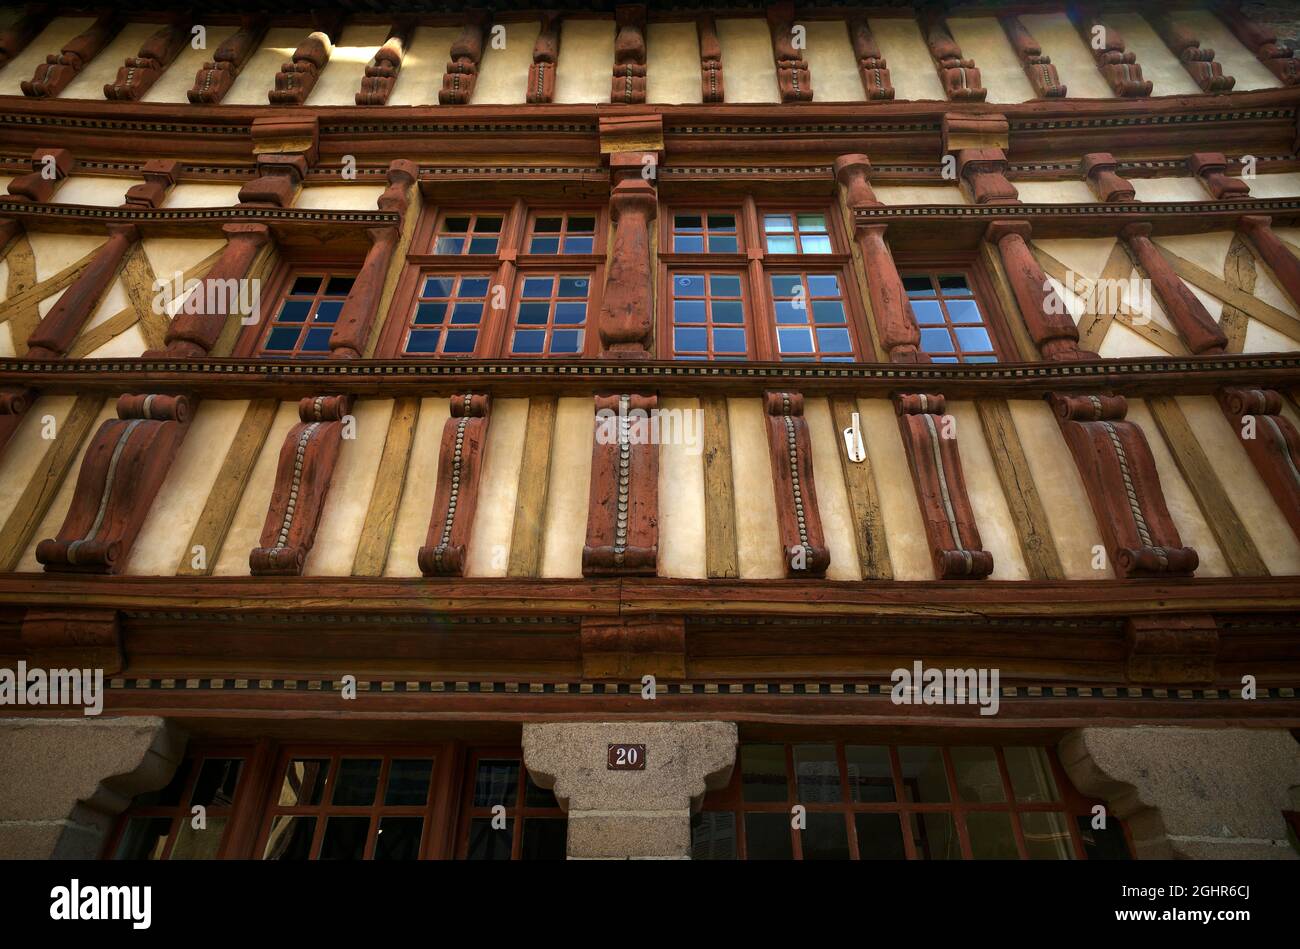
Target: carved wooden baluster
26	28
53	75
1123	486
461	457
1198	62
626	320
960	78
984	171
872	67
623	510
1271	442
1185	310
381	74
142	71
121	473
302	482
628	84
799	522
931	443
296	78
1100	170
215	77
194	330
1260	40
546	58
1281	260
1038	68
1117	66
711	87
792	76
462	69
1212	169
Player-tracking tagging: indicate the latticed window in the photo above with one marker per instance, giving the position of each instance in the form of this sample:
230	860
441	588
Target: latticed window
448	316
953	328
306	315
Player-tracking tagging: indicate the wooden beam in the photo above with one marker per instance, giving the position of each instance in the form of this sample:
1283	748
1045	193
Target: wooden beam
1238	549
864	499
526	537
1256	308
390	481
23	317
1007	300
721	556
1240	271
1093	327
396	265
138	281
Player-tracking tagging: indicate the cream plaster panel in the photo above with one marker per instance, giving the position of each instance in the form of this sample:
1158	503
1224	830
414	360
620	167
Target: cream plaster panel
1250	498
832	494
4	182
178	78
411	528
47	304
202	195
1084	255
125	345
586	66
245	531
165	535
919	194
1191	524
909	549
1069	513
1061	41
90	189
257	78
1167	75
423	66
911	68
344	516
748	67
1285	185
494	518
1072	191
1263	339
681	496
58	510
1206	250
54	251
1169	189
758	536
982	39
6	340
27	448
1229	52
102	69
568	496
339	197
50	40
340	80
984	488
113	302
1121	342
503	73
831	63
171	255
673	63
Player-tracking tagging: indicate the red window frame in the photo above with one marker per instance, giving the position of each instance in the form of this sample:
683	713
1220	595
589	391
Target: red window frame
707	273
251	341
517	814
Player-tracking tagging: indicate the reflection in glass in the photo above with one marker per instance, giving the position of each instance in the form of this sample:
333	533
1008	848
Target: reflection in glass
486	843
408	781
143	839
991	836
357	783
870	776
192	844
767	836
934	837
924	778
398	838
1031	774
817	774
825	837
345	838
713	835
1047	836
290	838
496	782
880	837
216	784
544	838
763	772
978	777
304	781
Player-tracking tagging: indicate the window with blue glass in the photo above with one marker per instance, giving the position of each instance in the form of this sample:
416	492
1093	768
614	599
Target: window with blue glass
562	234
307	314
796	233
953	328
811	322
708	314
448	316
550	317
702	233
468	234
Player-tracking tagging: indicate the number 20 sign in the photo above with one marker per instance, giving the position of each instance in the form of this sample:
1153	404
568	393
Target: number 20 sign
626	757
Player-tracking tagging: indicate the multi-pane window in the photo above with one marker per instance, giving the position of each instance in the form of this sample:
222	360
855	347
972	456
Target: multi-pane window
796	233
510	817
708	314
704	233
953	328
919	802
468	234
562	234
307	314
810	318
550	315
159	824
448	315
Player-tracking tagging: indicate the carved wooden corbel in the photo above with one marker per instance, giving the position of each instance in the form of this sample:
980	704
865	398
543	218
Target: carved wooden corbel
142	70
159	176
296	78
26	28
936	469
960	78
623	512
1171	650
59	328
626	320
197	325
1258	229
1123	486
1212	170
1260	40
711	87
1040	72
546	58
462	69
1271	442
302	482
799	521
792	76
59	69
1100	170
381	74
1184	309
215	78
73	637
1117	66
628	84
461	457
984	171
50	166
1198	62
121	473
872	68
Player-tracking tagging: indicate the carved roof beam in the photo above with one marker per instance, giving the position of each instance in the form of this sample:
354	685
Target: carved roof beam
215	77
156	54
59	69
381	73
296	78
872	67
23	30
1040	72
1260	40
466	53
960	78
711	87
1117	65
1198	61
792	77
546	59
629	82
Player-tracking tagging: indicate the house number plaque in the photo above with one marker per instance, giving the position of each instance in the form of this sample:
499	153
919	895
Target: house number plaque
626	757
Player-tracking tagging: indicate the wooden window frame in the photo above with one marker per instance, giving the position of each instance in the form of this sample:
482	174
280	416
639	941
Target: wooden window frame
520	813
977	276
669	346
458	276
251	338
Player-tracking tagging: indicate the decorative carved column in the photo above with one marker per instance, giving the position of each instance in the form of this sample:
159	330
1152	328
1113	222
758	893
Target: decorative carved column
54	336
1123	486
194	330
984	171
1184	309
1260	40
1198	62
1258	229
142	71
1273	445
792	76
960	78
1049	323
799	522
1212	170
53	75
462	69
1100	170
25	29
1040	72
940	485
546	57
623	512
872	67
461	457
626	321
711	87
381	74
628	84
302	482
215	77
296	78
1117	66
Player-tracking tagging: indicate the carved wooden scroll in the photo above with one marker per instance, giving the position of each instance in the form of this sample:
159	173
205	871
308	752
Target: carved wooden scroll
26	28
546	58
623	512
960	78
196	327
1271	442
1184	309
1198	62
936	469
215	78
1123	486
462	69
1042	75
14	403
1117	66
792	76
1212	169
626	320
872	67
461	456
55	334
59	69
302	482
142	70
711	88
296	78
799	522
121	473
49	167
984	170
1258	229
1260	40
381	74
628	85
1101	171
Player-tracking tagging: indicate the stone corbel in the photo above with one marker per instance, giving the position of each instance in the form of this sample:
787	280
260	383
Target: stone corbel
1260	40
25	29
623	512
302	482
121	473
626	320
1198	62
984	172
628	649
73	637
1273	445
1184	309
628	84
799	521
461	457
946	511
872	67
1118	66
215	78
1171	650
1123	486
381	74
194	331
159	176
50	166
711	87
1212	170
1258	229
1040	72
59	69
296	78
462	69
792	77
960	78
546	58
59	328
1100	170
142	70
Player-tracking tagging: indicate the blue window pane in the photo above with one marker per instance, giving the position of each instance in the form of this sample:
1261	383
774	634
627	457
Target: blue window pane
724	285
688	311
328	311
953	285
834	341
690	339
936	341
687	222
544	245
773	223
794	340
282	338
828	311
533	313
470	312
927	311
570	313
339	286
460	341
448	245
538	286
483	245
574	286
474	286
964	311
823	285
423	341
294	311
529	341
688	285
785	285
438	286
688	243
722	244
816	244
943	359
728	311
973	338
318	340
566	341
787	312
918	286
728	340
980	359
305	285
427	313
578	245
781	245
812	222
